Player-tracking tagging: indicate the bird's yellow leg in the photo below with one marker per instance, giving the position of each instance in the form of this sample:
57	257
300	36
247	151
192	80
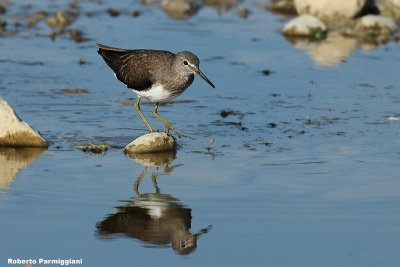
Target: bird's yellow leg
138	110
167	124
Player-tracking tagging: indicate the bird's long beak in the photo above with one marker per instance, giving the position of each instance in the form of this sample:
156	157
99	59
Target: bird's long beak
204	77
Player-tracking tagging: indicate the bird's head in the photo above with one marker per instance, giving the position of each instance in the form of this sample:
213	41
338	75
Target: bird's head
190	64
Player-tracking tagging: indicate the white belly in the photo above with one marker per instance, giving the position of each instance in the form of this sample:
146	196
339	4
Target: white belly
155	94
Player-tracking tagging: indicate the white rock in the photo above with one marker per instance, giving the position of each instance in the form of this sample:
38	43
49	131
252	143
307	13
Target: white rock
329	8
377	22
151	142
303	25
180	9
15	132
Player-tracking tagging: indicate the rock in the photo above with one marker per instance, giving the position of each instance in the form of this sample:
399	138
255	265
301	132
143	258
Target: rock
377	24
147	2
61	19
16	133
136	13
41	15
329	8
220	5
389	8
78	36
12	160
151	142
31	21
3	9
3	25
243	12
180	9
113	12
285	7
304	25
372	31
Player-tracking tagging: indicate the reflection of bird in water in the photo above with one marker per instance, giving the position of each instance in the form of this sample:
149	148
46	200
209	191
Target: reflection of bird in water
157	219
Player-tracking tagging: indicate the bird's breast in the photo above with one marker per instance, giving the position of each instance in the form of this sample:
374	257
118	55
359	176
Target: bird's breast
167	89
156	93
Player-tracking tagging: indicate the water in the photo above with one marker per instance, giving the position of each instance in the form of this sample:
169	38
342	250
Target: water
304	172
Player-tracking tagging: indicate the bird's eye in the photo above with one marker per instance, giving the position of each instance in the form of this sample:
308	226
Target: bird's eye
185	63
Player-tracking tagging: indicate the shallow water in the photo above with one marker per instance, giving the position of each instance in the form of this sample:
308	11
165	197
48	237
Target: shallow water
303	172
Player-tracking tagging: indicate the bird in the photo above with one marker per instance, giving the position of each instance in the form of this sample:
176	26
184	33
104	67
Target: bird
157	75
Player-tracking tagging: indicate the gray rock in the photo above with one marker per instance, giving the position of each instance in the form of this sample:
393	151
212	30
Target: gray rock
151	142
14	132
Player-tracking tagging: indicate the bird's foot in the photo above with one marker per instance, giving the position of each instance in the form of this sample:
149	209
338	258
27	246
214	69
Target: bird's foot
171	128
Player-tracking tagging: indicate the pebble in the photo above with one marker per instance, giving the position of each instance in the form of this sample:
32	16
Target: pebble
3	25
113	12
180	9
379	24
78	36
41	14
136	13
3	9
220	5
285	7
243	12
61	19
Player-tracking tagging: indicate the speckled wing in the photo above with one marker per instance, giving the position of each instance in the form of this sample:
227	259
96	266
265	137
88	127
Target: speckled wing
129	66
